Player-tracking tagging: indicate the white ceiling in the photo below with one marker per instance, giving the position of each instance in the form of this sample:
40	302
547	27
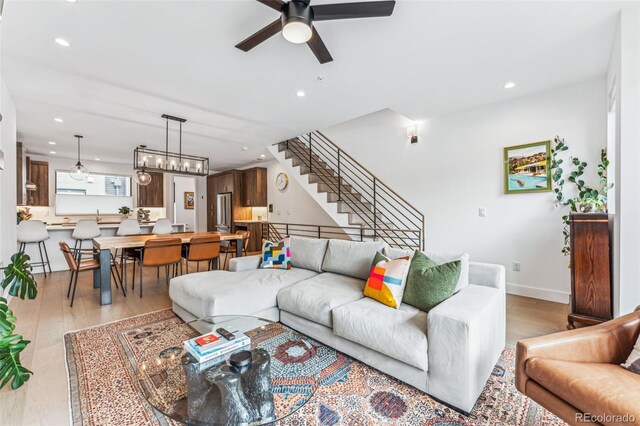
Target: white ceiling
131	61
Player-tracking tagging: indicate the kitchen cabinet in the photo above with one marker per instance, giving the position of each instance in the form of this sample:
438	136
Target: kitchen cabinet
152	195
255	239
255	187
38	174
21	171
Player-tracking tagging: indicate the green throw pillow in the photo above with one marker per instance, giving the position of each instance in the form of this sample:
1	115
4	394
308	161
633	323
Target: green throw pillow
429	284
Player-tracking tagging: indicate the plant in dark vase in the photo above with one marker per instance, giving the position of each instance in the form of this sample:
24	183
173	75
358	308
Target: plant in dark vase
18	277
584	199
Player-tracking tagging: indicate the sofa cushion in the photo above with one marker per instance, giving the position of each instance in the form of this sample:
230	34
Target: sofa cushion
351	258
227	293
276	256
308	253
399	333
590	387
429	284
387	280
438	259
315	298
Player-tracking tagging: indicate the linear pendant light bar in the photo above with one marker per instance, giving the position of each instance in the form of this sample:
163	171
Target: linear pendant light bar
147	159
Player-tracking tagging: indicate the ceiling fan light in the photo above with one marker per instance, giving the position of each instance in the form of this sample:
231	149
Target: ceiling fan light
143	178
297	31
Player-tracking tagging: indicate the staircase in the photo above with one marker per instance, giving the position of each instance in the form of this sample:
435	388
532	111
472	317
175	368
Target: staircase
367	203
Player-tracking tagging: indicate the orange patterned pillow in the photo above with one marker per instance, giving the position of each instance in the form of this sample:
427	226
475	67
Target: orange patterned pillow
387	280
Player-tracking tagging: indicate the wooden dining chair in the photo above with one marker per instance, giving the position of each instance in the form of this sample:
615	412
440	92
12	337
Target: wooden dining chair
156	253
230	249
76	266
200	249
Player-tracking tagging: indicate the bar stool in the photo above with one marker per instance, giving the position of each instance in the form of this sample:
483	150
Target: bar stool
202	249
162	226
85	230
35	231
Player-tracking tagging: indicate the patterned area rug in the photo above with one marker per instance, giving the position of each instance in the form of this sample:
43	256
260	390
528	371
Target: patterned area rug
102	363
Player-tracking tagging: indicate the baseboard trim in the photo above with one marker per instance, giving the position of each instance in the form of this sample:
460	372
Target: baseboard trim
538	293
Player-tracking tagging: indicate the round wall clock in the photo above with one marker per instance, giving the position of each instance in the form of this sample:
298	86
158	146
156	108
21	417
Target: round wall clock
282	180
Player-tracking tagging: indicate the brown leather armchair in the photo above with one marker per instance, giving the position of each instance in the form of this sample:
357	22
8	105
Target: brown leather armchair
576	372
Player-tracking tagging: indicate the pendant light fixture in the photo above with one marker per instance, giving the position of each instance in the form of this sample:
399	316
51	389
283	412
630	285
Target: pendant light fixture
79	172
142	177
145	159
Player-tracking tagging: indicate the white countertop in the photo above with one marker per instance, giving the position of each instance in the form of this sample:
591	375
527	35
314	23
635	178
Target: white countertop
71	226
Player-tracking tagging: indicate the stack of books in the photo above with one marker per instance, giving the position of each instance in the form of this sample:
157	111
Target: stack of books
213	345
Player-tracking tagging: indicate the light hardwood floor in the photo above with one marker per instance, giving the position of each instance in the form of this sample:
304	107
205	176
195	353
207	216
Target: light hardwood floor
43	400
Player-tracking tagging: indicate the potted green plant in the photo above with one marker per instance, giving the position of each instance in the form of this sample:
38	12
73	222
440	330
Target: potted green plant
124	211
18	277
584	199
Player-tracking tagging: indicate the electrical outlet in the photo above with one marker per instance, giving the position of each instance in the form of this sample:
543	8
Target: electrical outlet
516	266
482	212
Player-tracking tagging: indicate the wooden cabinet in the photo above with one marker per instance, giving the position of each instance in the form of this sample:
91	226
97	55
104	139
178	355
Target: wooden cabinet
226	182
255	187
21	174
591	292
38	174
255	239
152	195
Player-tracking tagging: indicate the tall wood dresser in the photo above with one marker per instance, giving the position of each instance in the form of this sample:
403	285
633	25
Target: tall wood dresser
591	284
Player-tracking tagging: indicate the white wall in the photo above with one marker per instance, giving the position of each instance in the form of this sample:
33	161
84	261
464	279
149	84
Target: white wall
294	204
623	83
457	167
8	244
187	216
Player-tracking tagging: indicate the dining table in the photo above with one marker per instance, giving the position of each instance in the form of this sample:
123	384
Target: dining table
104	245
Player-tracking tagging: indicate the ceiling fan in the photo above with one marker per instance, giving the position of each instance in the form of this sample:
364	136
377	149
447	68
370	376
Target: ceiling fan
297	17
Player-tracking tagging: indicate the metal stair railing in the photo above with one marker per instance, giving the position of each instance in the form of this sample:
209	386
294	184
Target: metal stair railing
389	217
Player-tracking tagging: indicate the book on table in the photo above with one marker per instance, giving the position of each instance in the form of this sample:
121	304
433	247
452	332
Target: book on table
212	345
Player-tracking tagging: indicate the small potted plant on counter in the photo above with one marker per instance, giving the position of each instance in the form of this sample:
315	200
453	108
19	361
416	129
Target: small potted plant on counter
124	211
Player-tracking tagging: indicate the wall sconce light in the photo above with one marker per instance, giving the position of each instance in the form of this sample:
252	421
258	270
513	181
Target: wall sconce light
412	133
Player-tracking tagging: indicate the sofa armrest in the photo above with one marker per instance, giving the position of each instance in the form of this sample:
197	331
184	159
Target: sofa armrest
487	274
466	335
244	263
610	343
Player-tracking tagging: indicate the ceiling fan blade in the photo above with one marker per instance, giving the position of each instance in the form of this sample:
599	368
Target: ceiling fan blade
270	30
367	9
273	4
318	48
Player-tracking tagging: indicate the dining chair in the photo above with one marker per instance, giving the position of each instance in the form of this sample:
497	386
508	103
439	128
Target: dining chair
35	232
162	226
200	249
127	227
76	266
158	252
230	249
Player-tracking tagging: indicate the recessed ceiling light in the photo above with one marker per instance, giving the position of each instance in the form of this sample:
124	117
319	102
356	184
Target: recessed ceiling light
300	94
245	148
52	143
58	120
71	1
52	152
96	159
62	42
510	85
262	155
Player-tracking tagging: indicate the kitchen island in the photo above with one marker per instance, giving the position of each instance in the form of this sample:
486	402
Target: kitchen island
62	232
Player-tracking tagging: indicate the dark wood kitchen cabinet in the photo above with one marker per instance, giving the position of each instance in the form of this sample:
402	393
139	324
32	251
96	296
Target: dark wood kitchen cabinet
591	290
231	182
38	174
152	195
255	187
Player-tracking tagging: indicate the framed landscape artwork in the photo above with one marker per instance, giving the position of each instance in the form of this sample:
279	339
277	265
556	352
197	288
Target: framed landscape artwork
189	200
527	168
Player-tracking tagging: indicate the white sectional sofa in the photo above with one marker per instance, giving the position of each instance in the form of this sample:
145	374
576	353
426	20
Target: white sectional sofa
448	352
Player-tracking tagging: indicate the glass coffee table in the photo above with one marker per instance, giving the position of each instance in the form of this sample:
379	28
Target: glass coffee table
275	378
